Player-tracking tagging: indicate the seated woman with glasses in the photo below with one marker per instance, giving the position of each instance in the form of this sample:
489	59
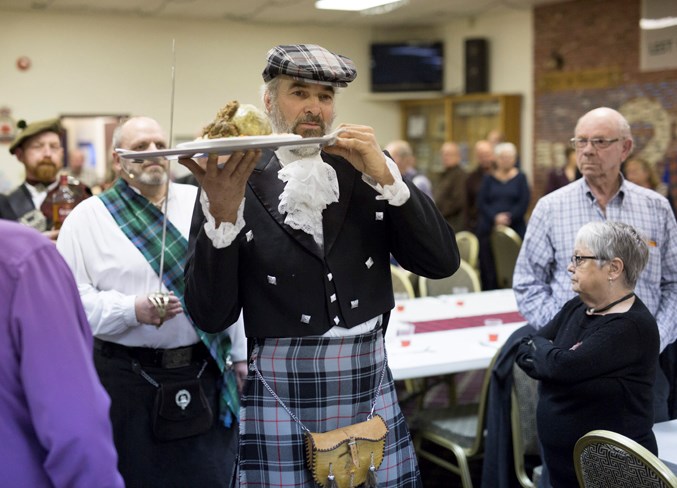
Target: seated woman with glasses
596	360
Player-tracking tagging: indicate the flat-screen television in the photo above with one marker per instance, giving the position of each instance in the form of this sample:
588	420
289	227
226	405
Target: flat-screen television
407	66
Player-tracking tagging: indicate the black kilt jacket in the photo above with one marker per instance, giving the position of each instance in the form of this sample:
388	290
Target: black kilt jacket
287	285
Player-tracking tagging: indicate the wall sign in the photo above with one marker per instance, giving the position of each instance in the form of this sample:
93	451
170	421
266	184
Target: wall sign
658	35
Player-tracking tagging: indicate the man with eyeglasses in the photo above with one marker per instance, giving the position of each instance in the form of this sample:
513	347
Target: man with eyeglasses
541	282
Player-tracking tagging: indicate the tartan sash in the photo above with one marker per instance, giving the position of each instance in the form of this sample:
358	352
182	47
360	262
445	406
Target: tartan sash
141	222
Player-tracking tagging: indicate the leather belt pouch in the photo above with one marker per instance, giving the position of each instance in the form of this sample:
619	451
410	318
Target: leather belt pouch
346	455
181	410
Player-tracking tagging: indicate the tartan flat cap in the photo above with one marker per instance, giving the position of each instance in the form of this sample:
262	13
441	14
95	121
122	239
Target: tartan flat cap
310	63
30	130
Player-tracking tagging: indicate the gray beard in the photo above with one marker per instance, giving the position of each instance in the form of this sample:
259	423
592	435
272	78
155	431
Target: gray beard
304	151
153	179
150	179
280	126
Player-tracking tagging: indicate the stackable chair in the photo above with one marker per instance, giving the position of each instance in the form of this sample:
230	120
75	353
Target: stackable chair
451	437
402	287
525	445
465	277
468	247
607	459
505	246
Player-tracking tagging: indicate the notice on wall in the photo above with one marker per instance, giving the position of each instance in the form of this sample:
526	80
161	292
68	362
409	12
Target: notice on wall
658	35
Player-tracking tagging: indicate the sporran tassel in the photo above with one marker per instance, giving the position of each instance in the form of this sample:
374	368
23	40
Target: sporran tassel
371	482
331	479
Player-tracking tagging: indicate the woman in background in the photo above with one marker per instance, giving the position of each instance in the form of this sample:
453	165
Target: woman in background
559	177
642	173
596	360
503	199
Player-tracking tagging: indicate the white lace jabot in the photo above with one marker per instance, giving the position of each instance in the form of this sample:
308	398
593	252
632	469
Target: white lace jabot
311	185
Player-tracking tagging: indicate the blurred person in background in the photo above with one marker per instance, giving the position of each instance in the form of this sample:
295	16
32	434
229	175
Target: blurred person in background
503	199
449	188
38	146
565	174
405	160
78	169
485	161
643	173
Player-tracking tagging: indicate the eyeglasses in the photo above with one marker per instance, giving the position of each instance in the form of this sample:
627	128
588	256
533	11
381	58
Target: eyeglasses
578	260
597	143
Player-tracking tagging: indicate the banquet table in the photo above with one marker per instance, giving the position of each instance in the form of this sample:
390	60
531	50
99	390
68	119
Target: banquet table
452	333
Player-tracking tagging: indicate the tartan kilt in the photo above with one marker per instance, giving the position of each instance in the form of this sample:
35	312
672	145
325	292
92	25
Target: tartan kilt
327	382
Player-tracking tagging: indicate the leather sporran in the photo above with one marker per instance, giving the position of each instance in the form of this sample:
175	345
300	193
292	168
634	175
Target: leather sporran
181	410
348	456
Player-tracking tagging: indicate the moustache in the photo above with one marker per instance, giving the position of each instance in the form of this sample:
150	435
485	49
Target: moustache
151	162
310	118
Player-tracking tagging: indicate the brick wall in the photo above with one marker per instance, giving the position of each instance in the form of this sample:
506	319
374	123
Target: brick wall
587	54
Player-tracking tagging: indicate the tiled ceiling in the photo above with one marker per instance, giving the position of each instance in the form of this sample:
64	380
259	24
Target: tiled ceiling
413	13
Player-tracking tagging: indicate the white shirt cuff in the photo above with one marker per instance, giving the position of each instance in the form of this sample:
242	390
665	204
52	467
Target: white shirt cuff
223	235
238	339
397	193
129	311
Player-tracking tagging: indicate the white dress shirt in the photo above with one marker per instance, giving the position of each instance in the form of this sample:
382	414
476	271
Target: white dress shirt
38	195
111	272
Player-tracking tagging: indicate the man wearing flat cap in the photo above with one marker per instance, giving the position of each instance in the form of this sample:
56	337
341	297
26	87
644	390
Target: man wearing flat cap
38	146
300	240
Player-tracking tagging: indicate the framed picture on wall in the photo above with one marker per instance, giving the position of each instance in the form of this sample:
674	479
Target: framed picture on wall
416	126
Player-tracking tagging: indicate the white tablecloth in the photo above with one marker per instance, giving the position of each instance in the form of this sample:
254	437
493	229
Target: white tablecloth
448	351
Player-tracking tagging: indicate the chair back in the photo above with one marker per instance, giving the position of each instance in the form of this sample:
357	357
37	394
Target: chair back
402	287
464	278
524	400
603	458
457	433
468	247
505	246
483	401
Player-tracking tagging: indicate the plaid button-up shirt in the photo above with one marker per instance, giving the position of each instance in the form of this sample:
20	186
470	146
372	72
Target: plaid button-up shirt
541	281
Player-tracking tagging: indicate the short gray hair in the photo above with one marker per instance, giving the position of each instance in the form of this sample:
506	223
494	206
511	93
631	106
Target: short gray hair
609	240
117	133
270	88
505	147
399	148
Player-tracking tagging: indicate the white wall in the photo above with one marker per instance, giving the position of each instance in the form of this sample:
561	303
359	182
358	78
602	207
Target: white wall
510	39
108	64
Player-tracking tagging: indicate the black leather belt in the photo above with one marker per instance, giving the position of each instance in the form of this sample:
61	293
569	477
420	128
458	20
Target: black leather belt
158	358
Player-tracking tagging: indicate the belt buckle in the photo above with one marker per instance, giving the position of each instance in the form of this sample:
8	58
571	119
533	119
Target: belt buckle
177	358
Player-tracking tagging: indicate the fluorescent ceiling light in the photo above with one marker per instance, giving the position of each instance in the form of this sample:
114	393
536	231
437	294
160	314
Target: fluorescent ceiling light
352	5
654	24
